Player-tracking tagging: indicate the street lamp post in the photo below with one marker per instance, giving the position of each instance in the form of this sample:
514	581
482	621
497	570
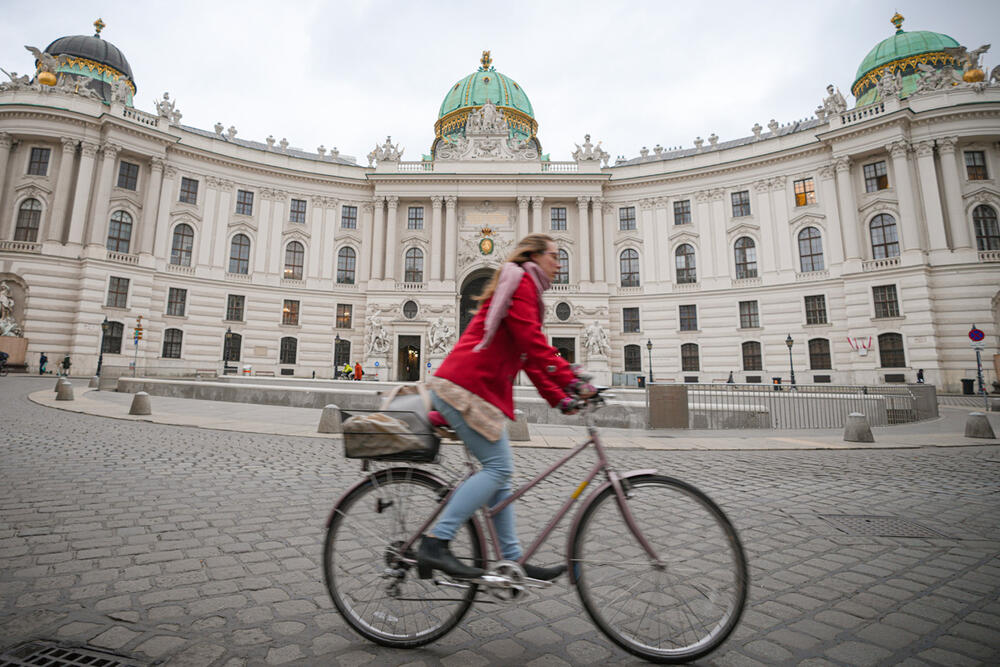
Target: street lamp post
791	366
104	334
226	348
649	349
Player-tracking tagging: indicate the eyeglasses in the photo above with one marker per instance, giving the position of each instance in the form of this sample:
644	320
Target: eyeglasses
551	253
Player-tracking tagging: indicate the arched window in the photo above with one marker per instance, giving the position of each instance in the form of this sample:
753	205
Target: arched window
562	273
689	357
984	219
633	359
232	346
341	353
289	350
413	266
885	241
890	350
751	356
120	232
111	342
29	216
746	257
295	256
239	254
172	343
819	354
346	259
684	262
182	244
629	263
810	250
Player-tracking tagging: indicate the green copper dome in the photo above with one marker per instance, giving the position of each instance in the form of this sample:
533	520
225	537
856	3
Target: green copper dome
474	90
901	52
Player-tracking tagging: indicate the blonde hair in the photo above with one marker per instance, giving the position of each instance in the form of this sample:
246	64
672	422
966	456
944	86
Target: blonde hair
531	244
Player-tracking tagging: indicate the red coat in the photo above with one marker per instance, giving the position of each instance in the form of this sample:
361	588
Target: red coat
519	344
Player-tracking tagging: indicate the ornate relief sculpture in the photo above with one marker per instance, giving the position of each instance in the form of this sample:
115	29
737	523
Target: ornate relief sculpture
440	337
8	324
596	340
376	337
486	138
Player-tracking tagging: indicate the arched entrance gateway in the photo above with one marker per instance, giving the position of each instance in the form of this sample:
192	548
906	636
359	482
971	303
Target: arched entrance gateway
472	287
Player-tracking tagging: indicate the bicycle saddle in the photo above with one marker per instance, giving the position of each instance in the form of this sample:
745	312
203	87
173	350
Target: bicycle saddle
437	419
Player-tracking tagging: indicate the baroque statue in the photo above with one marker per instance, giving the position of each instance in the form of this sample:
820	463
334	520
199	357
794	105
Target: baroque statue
440	337
8	323
486	137
833	103
376	337
596	340
969	61
386	152
47	65
590	152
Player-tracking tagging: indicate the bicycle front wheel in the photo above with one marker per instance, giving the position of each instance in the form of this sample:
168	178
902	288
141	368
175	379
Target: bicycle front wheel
372	582
676	611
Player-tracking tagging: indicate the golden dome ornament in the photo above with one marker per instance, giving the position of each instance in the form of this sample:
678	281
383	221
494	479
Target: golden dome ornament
974	75
47	78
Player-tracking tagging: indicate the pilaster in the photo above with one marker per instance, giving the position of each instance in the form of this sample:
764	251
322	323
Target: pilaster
99	223
848	206
147	225
391	227
437	237
536	215
904	189
161	249
81	194
961	237
6	141
833	238
451	237
647	266
599	243
937	239
378	238
582	207
57	218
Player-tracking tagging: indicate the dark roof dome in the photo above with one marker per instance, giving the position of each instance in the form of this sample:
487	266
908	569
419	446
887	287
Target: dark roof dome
92	48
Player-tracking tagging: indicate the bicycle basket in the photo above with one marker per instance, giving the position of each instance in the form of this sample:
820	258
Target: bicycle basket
388	435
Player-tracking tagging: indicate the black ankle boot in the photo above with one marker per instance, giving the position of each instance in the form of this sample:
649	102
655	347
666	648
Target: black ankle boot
434	555
543	573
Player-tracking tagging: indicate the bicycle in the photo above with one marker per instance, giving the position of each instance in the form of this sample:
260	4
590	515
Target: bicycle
3	368
658	566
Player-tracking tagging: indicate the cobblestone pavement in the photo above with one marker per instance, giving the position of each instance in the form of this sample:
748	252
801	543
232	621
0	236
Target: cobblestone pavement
199	547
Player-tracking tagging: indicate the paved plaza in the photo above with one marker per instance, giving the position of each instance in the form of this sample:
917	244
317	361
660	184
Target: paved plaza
194	546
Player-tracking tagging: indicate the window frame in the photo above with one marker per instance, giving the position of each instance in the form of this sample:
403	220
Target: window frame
889	354
297	211
232	349
240	261
415	217
687	317
290	312
171	349
626	218
814	248
877	177
244	202
820	358
295	261
343	355
557	218
232	310
687	357
885	301
28	220
188	191
630	320
687	274
682	212
885	249
176	302
745	257
348	217
751	351
749	314
183	256
119	288
38	161
115	334
815	310
977	168
741	203
413	265
128	176
346	255
632	358
628	267
562	272
288	348
986	238
805	191
345	316
119	232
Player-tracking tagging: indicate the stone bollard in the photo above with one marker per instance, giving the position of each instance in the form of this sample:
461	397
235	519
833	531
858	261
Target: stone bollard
518	430
978	426
995	405
94	382
60	381
141	404
856	429
64	392
329	421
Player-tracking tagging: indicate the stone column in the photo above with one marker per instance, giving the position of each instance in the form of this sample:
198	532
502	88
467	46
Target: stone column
147	226
57	217
522	217
848	206
536	210
936	236
437	237
961	237
450	237
904	191
378	238
81	194
833	239
391	225
5	143
599	244
161	245
582	206
99	224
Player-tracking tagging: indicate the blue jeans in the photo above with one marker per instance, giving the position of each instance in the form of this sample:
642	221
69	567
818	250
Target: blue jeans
488	487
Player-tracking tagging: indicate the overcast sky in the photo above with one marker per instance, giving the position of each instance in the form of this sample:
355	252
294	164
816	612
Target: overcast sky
631	74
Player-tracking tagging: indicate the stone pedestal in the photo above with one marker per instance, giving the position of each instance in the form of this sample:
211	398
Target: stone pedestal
16	348
668	405
600	368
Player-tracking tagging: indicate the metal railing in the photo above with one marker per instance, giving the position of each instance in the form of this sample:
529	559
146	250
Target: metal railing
783	406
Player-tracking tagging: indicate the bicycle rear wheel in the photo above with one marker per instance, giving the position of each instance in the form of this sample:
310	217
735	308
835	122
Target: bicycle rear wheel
674	613
373	585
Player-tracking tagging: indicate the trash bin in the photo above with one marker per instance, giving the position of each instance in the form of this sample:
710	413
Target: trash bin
777	383
968	386
246	369
640	381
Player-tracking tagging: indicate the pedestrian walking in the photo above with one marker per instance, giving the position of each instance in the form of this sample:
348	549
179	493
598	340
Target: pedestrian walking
358	371
42	362
65	366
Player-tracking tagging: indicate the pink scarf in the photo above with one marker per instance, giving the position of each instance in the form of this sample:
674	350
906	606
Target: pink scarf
510	278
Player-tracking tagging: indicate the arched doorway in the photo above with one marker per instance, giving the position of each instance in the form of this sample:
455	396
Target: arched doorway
473	286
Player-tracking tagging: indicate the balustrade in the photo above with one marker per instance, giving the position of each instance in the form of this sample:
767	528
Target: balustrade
876	264
560	166
812	275
177	268
21	246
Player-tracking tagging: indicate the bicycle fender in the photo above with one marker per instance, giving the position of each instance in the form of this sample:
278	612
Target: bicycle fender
570	543
364	480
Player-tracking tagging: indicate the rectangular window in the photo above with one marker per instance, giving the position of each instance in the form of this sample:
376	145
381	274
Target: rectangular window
128	175
344	311
630	320
633	359
288	352
189	191
819	354
975	165
626	218
741	203
682	212
689	318
805	192
172	344
348	217
816	309
244	202
749	318
176	301
290	312
415	218
297	211
558	215
234	307
886	304
38	163
689	358
117	292
752	360
876	177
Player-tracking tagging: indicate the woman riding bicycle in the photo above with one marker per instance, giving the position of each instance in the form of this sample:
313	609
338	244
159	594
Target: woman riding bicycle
473	390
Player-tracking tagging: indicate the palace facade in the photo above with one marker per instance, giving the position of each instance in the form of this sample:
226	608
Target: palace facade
866	237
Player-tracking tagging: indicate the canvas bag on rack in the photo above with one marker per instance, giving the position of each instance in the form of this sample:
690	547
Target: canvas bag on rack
399	431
